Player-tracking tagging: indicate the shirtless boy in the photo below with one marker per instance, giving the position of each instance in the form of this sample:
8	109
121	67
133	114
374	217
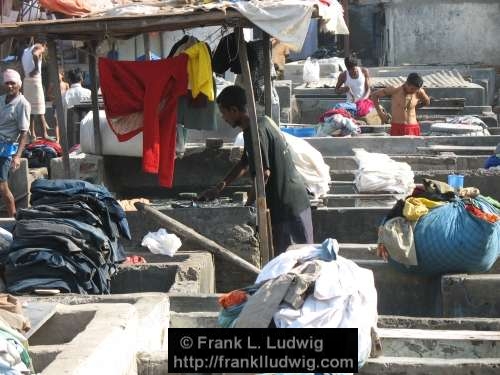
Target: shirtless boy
405	100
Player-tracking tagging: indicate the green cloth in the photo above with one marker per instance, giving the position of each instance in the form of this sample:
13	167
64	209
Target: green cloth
286	192
492	201
21	347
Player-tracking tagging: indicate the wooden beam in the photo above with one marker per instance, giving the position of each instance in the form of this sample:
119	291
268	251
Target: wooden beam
54	78
267	75
117	27
94	89
162	45
265	250
190	234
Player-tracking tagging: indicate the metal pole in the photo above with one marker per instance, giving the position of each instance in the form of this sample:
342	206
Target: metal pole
266	252
54	78
267	75
95	102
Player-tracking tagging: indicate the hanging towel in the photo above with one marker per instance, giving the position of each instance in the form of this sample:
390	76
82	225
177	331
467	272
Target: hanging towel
143	96
287	21
200	70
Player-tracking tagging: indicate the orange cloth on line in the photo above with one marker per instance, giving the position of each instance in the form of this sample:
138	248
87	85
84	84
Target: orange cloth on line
405	129
490	218
232	298
77	8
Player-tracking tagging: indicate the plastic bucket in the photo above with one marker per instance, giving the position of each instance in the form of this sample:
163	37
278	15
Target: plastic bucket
456	181
300	132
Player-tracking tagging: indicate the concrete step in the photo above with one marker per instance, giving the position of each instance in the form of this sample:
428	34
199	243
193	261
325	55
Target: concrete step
463	150
188	271
470	324
471	295
487	181
416	162
394	145
156	363
397	291
430	366
445	344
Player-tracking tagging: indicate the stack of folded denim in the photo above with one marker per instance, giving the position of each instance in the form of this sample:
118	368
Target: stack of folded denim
67	240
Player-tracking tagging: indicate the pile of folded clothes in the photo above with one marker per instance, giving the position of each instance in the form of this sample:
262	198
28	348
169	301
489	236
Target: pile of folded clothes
67	240
40	152
438	230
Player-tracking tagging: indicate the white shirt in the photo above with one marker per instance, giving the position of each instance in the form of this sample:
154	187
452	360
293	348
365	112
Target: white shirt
75	95
29	63
357	85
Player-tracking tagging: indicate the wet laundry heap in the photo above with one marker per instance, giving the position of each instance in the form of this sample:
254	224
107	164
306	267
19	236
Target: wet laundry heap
438	230
308	287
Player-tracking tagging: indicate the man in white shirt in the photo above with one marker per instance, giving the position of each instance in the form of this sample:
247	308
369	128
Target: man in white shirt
76	93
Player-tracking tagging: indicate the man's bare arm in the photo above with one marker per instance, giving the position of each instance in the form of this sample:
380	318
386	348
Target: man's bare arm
251	194
375	97
37	55
236	172
423	98
340	81
367	83
16	159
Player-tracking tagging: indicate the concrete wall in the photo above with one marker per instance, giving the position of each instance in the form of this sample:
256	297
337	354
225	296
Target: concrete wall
231	227
443	31
366	28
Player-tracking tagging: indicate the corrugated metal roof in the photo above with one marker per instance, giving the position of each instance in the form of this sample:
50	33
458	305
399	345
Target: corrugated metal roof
450	78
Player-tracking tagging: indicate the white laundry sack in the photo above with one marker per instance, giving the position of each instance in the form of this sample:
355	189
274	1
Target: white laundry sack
310	164
379	173
162	242
310	73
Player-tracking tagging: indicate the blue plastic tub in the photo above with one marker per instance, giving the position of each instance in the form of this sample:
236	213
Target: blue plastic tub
300	132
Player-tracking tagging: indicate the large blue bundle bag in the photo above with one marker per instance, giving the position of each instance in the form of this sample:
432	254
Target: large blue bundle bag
449	239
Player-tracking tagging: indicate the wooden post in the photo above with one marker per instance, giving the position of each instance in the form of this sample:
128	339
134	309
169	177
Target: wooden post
347	42
147	46
54	78
162	44
267	75
260	190
95	101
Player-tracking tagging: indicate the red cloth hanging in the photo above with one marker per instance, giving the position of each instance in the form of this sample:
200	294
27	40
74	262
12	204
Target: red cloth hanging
142	96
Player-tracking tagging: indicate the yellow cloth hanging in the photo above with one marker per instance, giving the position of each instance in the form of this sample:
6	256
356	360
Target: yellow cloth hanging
200	71
415	208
